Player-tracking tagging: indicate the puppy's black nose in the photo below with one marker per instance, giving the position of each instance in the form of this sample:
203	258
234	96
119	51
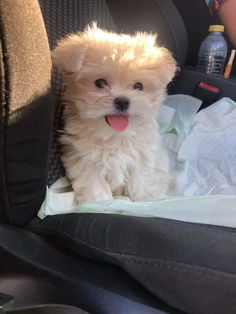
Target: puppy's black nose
121	103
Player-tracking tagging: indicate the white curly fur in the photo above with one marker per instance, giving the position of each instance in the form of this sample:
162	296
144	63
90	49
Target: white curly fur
100	161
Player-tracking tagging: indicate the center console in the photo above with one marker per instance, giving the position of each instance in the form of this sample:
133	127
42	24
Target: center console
203	86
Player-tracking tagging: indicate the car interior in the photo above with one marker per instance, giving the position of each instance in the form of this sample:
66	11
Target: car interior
97	263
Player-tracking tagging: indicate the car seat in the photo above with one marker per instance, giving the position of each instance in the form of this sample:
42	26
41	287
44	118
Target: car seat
100	263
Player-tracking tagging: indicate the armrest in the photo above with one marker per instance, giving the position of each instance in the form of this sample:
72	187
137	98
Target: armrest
189	79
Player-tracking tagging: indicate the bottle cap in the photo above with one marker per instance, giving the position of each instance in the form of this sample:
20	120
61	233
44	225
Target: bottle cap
216	28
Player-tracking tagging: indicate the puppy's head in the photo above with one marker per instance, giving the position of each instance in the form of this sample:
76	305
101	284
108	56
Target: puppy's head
116	79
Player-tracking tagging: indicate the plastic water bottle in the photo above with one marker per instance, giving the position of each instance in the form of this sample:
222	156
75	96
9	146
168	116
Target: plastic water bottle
213	52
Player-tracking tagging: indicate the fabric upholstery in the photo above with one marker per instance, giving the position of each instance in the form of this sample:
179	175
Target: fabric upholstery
36	272
62	18
188	266
26	110
27	51
159	16
3	198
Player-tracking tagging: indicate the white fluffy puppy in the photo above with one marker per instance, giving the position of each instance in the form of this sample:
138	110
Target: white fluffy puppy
115	86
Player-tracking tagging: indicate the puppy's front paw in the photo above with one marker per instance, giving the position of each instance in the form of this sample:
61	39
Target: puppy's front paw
154	187
92	193
92	197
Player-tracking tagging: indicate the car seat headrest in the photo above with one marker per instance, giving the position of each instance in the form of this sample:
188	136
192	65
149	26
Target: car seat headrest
159	16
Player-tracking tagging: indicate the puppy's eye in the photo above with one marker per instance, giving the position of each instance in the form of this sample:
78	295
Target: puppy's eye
101	83
138	86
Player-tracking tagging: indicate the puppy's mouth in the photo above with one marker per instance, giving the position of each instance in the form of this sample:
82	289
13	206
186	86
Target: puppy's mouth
117	122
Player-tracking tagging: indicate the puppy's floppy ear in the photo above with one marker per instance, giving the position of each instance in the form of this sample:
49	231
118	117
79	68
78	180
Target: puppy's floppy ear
69	54
167	66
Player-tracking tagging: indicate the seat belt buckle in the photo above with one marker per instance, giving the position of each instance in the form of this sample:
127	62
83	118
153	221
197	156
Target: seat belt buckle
207	93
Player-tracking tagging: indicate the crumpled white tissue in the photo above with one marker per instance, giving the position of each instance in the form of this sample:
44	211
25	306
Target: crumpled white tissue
207	157
202	149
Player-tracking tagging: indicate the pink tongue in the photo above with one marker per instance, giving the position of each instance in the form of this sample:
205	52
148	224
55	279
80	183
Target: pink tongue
118	123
